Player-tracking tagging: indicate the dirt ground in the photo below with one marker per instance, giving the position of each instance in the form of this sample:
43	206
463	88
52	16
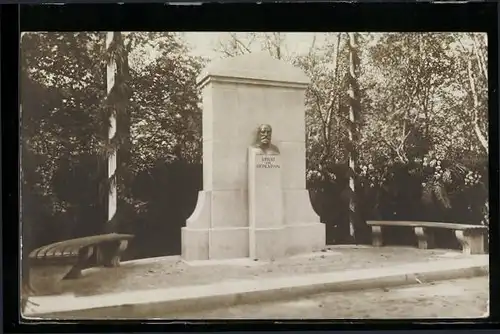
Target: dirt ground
463	298
171	271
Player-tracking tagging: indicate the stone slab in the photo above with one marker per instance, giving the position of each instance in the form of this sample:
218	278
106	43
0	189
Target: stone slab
267	243
195	244
214	243
298	207
229	208
200	218
243	262
265	195
294	165
250	291
305	238
228	243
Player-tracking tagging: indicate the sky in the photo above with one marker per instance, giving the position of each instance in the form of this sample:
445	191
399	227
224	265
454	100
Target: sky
204	43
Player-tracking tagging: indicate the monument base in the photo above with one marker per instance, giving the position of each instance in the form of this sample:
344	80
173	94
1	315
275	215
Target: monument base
214	243
301	232
262	243
267	243
305	238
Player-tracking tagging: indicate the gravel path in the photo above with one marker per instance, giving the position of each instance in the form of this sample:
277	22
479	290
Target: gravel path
171	272
463	298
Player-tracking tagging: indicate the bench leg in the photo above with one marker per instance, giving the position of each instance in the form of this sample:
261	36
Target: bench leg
425	237
377	236
83	257
111	253
472	241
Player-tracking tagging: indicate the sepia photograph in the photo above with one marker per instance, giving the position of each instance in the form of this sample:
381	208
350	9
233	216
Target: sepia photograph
254	175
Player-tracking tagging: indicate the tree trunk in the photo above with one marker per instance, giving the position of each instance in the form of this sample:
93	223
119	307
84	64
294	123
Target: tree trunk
278	45
475	108
111	74
481	137
354	111
118	92
479	56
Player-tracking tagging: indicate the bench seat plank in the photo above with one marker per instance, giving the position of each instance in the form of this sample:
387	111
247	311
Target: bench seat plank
73	246
471	237
453	226
76	254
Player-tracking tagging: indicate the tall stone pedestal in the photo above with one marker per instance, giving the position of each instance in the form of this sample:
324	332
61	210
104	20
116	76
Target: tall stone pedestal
239	94
265	205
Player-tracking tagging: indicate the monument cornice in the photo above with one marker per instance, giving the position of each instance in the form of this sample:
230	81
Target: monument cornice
245	80
254	69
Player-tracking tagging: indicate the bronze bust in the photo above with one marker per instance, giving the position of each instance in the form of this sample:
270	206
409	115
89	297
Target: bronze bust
263	141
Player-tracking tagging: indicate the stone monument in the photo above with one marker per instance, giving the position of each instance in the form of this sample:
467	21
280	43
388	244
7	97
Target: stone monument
254	201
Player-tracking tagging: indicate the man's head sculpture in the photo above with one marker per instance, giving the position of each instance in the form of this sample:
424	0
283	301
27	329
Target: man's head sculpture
263	142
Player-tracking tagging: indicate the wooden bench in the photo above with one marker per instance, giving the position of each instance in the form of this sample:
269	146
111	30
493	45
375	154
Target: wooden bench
66	259
471	237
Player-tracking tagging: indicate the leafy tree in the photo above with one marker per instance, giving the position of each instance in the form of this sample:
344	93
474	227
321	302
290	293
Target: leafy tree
62	94
406	74
415	105
166	119
65	123
324	102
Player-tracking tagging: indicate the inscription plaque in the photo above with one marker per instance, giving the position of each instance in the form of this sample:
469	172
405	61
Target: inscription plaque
267	162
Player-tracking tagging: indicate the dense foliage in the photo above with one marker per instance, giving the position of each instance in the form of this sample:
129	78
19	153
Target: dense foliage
422	151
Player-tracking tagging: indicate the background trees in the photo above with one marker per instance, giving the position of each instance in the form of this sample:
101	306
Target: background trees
421	123
65	124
